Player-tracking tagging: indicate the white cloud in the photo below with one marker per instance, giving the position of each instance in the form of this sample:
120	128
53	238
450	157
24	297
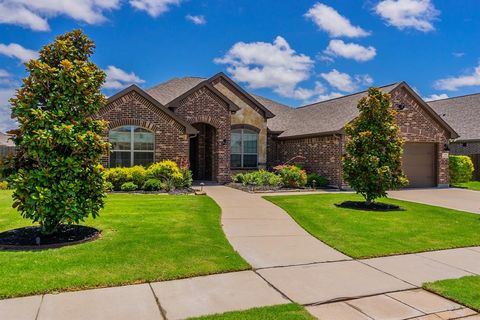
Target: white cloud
199	20
416	14
344	82
336	25
454	83
329	96
271	65
118	78
4	73
6	123
154	7
34	14
338	48
14	50
434	97
458	54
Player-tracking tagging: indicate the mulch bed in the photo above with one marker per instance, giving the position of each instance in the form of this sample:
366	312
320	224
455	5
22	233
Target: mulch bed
362	205
174	192
30	238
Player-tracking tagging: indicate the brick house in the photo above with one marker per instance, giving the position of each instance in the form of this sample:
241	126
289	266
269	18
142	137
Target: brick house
217	128
463	114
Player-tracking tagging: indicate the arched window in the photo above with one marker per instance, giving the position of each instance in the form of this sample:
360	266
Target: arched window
244	149
131	146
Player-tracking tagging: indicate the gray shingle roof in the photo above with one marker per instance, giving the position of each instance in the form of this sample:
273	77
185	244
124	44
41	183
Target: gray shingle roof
462	113
167	91
321	117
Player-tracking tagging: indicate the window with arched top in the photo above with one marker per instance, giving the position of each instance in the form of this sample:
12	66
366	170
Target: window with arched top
131	146
244	147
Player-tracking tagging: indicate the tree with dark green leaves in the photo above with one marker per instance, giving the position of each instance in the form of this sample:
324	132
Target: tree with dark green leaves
372	163
58	177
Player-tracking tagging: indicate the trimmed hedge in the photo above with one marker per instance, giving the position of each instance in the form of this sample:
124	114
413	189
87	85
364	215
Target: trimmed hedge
259	178
461	169
292	176
167	173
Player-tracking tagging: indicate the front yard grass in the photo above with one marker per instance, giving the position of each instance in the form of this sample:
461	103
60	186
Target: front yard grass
365	234
280	312
471	185
144	238
465	290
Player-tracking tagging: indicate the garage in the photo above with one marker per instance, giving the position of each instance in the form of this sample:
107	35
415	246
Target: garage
419	165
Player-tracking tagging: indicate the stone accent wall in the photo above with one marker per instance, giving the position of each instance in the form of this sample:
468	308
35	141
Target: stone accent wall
416	125
321	154
171	140
203	106
248	114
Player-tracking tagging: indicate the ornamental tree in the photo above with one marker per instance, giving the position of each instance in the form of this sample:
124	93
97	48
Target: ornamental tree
58	177
372	163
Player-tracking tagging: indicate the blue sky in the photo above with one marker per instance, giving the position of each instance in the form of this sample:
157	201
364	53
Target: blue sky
294	51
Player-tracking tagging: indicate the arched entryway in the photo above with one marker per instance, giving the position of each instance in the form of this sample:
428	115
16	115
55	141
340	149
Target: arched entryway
203	152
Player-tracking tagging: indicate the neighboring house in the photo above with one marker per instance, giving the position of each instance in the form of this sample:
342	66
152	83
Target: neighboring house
217	128
463	114
7	146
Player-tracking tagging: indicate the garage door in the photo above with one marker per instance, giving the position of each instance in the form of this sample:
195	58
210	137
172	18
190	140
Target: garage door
418	164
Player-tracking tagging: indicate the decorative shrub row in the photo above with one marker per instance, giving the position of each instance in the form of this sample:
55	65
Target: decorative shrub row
290	176
461	169
165	175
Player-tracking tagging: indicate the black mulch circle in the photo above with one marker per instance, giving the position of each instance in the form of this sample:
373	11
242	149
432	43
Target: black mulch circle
30	238
362	205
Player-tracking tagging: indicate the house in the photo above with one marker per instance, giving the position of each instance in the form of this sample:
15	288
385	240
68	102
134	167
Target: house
217	128
463	114
7	146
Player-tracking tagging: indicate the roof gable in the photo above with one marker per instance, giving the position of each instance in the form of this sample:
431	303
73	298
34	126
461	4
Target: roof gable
134	88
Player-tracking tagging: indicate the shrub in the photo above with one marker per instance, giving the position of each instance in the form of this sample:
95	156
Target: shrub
260	178
138	175
187	179
461	169
152	185
238	178
372	164
292	176
117	177
58	177
3	185
108	186
320	181
168	172
129	186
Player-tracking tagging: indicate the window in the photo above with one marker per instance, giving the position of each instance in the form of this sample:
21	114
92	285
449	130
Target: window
131	146
244	149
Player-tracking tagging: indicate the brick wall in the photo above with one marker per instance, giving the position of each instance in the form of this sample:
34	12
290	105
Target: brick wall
321	154
171	140
416	125
203	106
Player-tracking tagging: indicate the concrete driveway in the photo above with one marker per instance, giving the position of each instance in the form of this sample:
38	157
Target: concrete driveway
459	199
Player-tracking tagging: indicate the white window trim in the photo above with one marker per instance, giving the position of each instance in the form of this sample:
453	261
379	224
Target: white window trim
242	152
132	144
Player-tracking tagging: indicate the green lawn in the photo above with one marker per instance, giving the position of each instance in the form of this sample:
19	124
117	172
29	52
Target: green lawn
465	290
144	238
362	234
472	185
280	312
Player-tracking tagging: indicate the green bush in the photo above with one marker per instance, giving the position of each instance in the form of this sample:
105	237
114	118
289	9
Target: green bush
152	185
138	175
108	186
3	185
187	179
461	169
320	181
292	176
259	178
129	186
118	176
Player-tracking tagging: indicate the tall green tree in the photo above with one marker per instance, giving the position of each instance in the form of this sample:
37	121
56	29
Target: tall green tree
372	163
58	176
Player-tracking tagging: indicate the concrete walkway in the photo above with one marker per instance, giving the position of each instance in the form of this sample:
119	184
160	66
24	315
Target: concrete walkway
289	266
453	198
